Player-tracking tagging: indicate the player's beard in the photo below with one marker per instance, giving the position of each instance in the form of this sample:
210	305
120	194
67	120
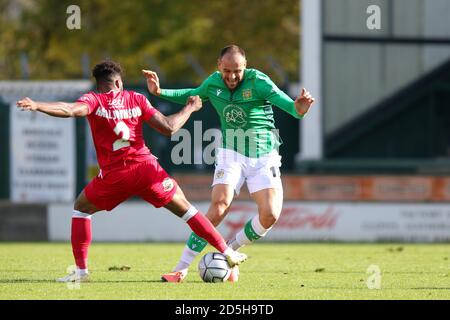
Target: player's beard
232	84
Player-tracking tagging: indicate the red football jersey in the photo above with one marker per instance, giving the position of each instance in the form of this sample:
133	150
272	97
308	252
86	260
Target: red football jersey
116	120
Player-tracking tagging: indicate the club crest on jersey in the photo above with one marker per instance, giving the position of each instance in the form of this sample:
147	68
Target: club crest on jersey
235	116
220	174
247	94
219	91
167	184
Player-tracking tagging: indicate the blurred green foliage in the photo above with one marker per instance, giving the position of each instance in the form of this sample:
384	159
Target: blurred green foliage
147	34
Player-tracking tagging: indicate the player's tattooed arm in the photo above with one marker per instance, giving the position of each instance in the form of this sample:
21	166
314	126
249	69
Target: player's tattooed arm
55	109
168	125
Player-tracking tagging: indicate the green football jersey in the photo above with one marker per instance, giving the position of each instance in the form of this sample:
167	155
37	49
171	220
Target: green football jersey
245	113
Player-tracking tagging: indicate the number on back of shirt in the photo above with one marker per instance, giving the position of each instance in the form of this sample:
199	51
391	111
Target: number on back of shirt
121	129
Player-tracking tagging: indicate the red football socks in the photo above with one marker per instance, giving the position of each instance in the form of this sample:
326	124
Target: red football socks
81	239
204	229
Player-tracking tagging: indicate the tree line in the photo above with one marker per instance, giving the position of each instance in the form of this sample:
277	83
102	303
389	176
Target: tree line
180	39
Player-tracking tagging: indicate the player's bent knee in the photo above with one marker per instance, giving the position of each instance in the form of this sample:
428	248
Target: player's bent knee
221	205
82	204
84	209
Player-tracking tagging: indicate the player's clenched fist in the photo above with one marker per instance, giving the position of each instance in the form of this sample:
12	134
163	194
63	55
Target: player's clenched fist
303	102
195	102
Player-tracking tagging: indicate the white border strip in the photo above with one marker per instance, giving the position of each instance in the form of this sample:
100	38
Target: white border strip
311	131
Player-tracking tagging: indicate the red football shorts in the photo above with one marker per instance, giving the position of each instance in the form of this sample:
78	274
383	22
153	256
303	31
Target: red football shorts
147	180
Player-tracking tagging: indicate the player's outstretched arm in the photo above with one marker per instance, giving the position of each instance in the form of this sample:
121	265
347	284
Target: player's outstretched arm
168	125
303	102
267	90
179	96
54	109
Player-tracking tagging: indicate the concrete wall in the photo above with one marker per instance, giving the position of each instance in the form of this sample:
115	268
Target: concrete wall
24	222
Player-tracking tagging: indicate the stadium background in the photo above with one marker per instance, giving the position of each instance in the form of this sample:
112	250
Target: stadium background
370	162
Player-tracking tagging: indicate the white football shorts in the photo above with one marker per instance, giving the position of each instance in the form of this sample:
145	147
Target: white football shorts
233	168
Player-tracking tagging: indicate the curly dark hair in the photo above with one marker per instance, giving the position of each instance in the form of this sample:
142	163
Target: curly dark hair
106	71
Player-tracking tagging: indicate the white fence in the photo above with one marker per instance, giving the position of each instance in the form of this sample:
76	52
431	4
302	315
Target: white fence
300	221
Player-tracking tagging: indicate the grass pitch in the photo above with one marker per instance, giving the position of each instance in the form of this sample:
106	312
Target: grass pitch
273	271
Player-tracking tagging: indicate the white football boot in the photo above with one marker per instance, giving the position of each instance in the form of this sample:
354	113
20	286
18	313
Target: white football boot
75	277
235	258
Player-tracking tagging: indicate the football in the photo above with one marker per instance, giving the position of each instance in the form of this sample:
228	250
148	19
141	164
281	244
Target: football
214	267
